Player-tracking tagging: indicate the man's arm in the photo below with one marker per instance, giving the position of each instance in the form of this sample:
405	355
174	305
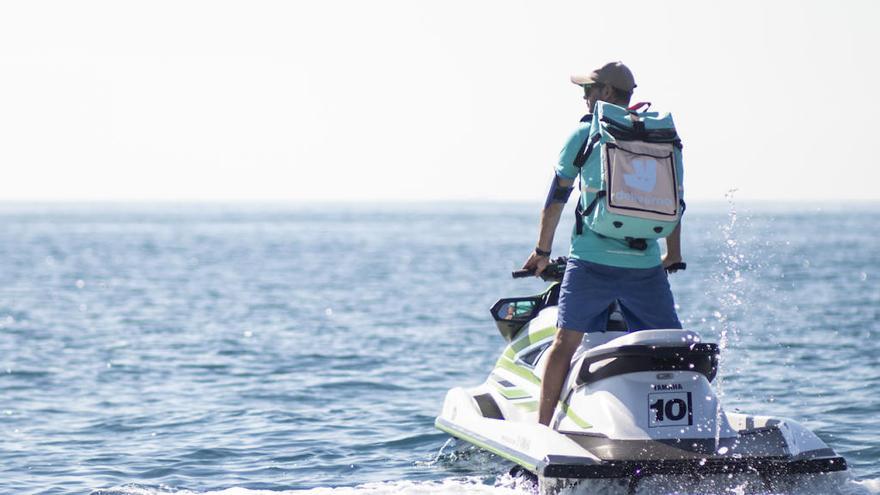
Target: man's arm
673	247
564	174
550	216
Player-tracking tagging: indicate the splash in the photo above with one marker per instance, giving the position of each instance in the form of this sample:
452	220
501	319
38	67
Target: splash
740	484
441	456
730	279
871	486
729	282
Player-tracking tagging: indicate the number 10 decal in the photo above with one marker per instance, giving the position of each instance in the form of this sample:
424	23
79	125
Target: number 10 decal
670	409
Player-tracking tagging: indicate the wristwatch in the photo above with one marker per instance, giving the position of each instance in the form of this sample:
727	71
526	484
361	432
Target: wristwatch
541	252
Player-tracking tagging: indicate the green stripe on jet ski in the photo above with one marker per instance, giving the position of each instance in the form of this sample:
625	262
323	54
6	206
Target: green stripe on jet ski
529	339
509	365
507	389
574	417
485	443
513	393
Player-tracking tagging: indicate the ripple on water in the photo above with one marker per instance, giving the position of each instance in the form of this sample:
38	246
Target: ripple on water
207	351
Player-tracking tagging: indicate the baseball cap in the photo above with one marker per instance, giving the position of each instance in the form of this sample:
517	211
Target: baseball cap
614	74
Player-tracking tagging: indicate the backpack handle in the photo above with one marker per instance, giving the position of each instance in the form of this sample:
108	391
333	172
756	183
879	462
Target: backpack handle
638	106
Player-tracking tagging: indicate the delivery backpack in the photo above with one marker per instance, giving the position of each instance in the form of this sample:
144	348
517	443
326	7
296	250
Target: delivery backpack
638	190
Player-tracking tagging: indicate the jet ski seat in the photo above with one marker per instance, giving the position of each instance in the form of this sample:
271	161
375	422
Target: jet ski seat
649	350
665	338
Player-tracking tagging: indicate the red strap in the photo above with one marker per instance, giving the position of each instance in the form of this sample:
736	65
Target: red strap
642	104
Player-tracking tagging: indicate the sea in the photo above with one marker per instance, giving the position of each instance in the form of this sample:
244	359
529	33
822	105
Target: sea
305	349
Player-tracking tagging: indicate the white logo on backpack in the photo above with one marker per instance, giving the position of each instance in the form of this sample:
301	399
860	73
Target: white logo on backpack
645	177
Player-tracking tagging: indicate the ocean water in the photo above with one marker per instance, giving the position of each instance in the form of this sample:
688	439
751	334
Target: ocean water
266	349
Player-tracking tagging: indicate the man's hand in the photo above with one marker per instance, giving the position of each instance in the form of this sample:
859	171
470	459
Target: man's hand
669	260
537	263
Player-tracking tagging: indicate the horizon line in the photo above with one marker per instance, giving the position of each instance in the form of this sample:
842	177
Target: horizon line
322	201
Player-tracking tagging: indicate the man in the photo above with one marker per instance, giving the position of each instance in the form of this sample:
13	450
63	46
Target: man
600	269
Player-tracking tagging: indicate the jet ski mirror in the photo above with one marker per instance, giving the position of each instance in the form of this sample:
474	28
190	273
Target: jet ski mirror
513	313
516	310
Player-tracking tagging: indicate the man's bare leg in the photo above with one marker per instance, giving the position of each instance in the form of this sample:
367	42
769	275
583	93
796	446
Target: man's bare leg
558	362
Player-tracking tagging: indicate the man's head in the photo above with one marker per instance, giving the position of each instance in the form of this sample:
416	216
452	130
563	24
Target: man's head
613	83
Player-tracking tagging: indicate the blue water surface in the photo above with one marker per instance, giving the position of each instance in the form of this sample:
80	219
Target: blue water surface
151	349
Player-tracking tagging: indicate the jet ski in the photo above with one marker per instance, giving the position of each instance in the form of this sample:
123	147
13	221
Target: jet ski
634	405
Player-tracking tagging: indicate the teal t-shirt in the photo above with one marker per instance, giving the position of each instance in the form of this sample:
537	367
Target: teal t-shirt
590	246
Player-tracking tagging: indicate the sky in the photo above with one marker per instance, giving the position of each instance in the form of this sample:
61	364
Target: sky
352	100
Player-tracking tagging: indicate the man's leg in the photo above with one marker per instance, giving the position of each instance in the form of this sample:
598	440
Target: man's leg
558	362
648	302
583	307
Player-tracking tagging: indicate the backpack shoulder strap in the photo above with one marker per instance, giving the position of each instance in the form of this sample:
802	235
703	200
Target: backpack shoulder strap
586	150
579	161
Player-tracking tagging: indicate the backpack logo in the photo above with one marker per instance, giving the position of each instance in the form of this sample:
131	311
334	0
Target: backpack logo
645	177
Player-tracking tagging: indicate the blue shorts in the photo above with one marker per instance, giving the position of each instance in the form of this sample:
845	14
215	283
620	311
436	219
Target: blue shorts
589	288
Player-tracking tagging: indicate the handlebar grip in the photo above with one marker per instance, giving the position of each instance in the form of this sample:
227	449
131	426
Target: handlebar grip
676	267
522	273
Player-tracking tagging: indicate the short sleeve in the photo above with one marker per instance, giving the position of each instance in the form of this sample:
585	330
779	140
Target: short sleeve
566	168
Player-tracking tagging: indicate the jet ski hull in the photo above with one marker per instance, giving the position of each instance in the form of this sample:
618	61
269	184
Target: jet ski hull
585	464
633	405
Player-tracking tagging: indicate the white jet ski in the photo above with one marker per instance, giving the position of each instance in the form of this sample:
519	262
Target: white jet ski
634	405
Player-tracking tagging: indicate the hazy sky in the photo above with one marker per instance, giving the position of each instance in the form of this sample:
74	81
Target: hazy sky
318	100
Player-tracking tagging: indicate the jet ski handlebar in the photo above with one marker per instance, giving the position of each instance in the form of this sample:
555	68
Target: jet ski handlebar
556	269
553	273
681	265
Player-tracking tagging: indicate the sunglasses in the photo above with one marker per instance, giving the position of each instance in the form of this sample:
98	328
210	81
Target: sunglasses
589	87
